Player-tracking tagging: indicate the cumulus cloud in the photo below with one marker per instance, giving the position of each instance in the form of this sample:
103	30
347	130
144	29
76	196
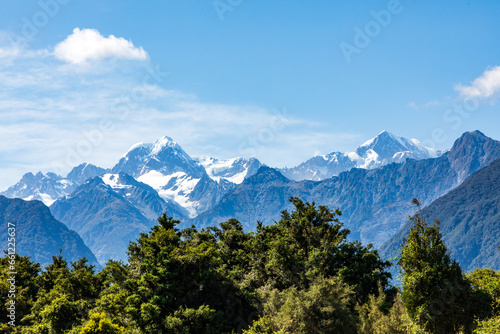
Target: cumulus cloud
84	45
486	86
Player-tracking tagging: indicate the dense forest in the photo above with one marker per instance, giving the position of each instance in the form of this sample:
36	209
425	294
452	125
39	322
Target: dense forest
300	274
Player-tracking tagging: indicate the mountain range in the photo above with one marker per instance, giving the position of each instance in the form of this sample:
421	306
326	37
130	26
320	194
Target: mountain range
469	219
372	186
38	234
375	203
384	149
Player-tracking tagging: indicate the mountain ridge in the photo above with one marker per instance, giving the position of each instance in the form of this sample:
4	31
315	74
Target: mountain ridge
38	234
372	201
469	218
381	150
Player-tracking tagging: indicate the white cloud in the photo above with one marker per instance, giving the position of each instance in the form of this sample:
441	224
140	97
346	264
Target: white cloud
486	86
88	44
9	52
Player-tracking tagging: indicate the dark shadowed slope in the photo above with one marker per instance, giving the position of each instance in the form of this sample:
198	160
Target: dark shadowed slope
470	221
39	234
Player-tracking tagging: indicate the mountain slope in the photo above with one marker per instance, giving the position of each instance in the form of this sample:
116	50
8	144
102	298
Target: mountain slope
49	187
83	172
379	151
233	170
470	221
167	168
105	218
375	203
39	234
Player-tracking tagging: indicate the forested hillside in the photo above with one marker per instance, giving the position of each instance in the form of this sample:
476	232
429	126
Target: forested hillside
469	219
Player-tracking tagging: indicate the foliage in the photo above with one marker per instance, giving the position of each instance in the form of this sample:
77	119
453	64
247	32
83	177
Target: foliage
311	242
322	308
372	319
99	323
488	281
298	275
488	326
201	320
436	294
26	287
262	326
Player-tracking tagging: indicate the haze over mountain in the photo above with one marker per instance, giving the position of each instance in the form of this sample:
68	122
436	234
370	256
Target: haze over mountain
38	234
469	219
385	148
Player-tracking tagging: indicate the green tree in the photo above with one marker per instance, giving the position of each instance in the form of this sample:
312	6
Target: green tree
322	308
488	281
372	319
311	242
66	295
172	270
26	288
262	326
98	323
435	291
201	320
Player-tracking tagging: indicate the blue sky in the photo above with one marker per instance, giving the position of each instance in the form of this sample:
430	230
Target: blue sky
280	80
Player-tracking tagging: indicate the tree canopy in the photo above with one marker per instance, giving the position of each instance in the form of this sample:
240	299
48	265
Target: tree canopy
300	274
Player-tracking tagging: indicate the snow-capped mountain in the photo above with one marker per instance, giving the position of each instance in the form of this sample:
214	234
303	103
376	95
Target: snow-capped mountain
387	148
49	187
233	170
83	172
384	149
190	185
164	156
43	187
142	196
177	177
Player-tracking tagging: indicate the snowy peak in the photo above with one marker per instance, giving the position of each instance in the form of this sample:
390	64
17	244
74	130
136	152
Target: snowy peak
83	172
233	170
43	187
173	174
164	156
164	143
384	149
386	145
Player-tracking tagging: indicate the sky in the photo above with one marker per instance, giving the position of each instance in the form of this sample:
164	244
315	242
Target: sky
284	80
